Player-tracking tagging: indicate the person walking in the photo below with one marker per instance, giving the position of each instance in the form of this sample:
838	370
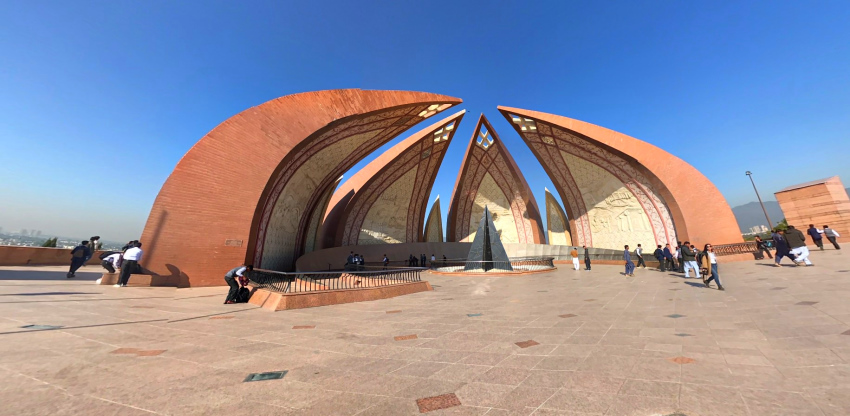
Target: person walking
574	256
79	254
586	258
232	278
386	261
782	248
680	263
630	267
423	260
130	263
639	255
797	243
708	261
668	257
831	235
689	260
659	256
816	234
762	248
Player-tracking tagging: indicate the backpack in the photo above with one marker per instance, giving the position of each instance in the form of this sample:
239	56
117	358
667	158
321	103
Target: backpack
243	295
79	252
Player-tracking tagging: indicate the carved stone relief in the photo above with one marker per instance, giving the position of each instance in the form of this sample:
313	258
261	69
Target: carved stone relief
490	194
615	214
557	227
279	248
386	222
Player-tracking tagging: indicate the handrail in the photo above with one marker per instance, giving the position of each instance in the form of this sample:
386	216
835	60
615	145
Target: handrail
300	282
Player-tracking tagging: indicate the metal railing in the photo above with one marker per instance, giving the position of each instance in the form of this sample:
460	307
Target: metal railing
735	248
517	264
295	282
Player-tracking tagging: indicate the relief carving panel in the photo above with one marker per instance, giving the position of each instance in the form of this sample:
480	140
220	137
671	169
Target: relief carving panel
280	242
556	223
616	216
490	194
386	222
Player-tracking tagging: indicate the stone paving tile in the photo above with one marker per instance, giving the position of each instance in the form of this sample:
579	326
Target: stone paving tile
483	394
648	388
500	375
580	401
757	350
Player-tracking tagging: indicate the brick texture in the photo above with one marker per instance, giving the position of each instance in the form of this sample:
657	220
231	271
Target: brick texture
216	191
822	204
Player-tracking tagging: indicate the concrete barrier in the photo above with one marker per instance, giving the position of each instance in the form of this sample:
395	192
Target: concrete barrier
39	256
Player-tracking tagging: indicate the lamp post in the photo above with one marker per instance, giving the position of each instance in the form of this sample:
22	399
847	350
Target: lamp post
769	223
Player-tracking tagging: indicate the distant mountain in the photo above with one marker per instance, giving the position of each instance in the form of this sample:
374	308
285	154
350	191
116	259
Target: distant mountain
750	214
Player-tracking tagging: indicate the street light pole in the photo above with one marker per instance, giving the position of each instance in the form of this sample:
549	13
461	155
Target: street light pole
769	223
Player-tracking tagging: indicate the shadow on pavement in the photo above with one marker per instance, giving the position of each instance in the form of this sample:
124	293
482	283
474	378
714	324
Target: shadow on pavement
50	293
47	275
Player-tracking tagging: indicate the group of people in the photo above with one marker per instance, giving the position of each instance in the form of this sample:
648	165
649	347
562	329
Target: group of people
355	261
420	261
791	243
684	258
574	255
127	259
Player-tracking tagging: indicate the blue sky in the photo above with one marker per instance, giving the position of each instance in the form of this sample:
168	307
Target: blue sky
99	100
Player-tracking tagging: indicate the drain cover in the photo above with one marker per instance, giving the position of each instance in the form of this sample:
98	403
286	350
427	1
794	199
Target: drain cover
274	375
41	327
473	314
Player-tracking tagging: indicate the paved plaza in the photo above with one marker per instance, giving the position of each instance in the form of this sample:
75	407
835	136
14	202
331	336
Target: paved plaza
776	342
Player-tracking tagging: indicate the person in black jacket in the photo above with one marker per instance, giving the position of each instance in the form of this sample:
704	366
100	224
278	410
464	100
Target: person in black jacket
689	259
586	258
797	243
78	257
659	255
782	248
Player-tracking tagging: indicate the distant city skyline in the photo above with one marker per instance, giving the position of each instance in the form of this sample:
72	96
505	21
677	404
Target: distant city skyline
96	116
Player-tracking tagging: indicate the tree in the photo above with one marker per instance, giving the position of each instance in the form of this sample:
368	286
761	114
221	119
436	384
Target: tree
782	225
51	242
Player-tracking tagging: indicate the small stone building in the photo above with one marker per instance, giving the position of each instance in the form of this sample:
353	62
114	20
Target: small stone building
821	202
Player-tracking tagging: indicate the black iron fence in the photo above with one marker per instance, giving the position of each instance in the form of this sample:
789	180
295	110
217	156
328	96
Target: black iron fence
295	282
517	264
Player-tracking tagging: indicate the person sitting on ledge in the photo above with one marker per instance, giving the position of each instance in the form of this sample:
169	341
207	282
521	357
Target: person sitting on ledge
231	279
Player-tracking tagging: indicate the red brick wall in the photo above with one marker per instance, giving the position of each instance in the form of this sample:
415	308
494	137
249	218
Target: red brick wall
700	212
823	204
41	256
213	193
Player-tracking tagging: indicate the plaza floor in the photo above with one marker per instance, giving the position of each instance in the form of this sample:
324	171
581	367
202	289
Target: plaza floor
776	342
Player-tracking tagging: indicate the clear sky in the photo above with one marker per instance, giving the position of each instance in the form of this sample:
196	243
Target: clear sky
99	100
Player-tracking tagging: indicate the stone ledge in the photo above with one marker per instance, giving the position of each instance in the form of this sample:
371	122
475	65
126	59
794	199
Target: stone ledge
494	274
139	280
274	301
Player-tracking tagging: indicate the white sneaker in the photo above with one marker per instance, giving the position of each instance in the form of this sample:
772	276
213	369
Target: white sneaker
116	285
